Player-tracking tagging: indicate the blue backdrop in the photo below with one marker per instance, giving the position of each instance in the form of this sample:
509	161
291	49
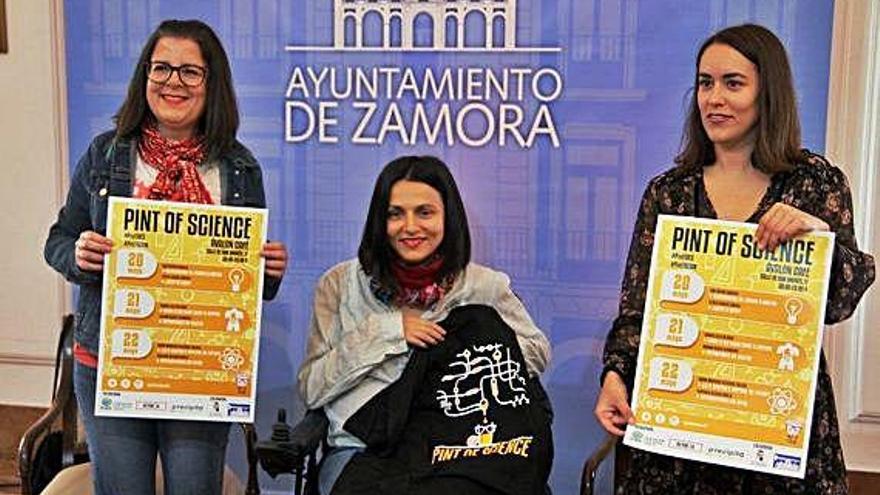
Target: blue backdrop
553	114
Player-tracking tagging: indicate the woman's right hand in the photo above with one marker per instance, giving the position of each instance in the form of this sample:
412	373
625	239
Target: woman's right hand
90	249
612	407
421	333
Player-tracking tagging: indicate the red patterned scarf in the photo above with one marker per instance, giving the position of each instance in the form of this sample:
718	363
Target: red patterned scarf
178	179
418	284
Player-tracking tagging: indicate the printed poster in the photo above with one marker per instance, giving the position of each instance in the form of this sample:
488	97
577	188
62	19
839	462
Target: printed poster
730	346
180	318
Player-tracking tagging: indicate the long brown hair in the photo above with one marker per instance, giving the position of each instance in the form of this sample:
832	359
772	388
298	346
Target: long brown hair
219	122
778	130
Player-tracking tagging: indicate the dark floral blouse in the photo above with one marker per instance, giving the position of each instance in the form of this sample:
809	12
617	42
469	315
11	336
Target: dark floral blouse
813	186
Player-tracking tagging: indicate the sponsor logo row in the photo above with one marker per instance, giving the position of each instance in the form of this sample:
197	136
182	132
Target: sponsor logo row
216	407
757	454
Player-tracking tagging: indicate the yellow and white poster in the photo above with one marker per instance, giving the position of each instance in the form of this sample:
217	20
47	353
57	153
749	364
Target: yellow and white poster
180	321
730	346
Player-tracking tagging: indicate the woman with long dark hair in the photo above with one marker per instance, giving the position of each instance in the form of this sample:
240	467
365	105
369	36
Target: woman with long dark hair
413	267
742	161
174	140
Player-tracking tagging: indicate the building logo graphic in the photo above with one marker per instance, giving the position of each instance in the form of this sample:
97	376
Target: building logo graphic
469	103
424	25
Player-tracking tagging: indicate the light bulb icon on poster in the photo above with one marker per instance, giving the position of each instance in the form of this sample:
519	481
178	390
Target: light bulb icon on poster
793	308
236	277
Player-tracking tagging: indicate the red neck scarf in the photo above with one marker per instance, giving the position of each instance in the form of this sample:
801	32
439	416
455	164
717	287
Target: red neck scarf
178	179
416	276
418	284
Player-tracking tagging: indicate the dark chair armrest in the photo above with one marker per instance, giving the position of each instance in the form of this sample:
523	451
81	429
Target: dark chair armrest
288	448
591	465
307	435
250	442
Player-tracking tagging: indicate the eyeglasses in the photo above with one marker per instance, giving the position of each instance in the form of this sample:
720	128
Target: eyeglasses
189	74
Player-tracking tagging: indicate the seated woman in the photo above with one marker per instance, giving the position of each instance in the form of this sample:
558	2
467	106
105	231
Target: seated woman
411	344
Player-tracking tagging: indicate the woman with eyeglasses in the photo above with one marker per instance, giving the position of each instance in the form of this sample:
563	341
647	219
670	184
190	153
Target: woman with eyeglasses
174	140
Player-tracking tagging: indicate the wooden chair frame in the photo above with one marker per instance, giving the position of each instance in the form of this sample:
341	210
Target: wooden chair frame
610	448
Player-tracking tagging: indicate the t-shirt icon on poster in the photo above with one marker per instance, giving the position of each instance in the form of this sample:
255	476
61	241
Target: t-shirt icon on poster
787	352
233	319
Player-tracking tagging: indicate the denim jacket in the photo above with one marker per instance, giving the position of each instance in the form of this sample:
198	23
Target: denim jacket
107	169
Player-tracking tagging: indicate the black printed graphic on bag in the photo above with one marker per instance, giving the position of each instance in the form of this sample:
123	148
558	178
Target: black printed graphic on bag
464	415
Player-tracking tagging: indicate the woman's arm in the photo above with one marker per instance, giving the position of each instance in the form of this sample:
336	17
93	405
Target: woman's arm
852	271
275	252
622	342
532	341
74	218
344	347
